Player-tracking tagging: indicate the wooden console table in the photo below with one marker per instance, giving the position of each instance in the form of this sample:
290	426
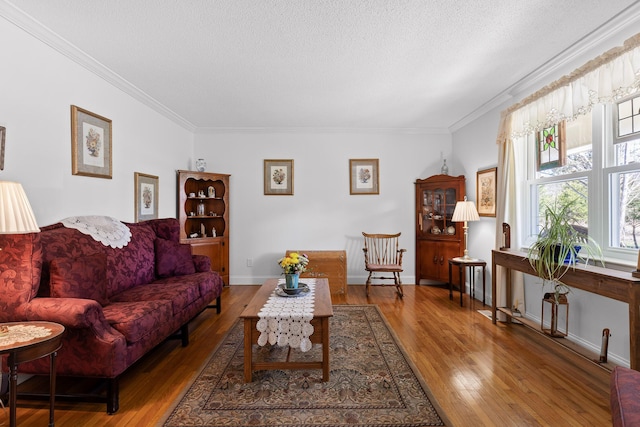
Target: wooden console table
618	285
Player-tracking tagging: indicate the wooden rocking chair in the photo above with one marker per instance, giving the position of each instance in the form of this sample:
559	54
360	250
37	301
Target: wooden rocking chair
381	255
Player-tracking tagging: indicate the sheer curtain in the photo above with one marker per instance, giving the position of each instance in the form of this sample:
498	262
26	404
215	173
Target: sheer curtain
610	76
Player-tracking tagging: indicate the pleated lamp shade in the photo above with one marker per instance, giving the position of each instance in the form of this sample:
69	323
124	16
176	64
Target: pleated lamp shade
16	216
465	211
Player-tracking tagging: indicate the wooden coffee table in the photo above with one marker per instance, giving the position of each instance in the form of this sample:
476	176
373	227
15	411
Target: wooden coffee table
323	310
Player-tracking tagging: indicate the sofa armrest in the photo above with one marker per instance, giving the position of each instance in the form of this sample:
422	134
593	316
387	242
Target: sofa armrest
624	405
69	312
202	263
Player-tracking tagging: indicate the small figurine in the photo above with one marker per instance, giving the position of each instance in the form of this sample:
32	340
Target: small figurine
211	191
213	232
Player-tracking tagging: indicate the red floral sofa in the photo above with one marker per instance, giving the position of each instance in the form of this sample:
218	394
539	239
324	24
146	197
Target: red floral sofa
115	303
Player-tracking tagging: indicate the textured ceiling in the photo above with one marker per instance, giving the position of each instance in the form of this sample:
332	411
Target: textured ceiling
336	64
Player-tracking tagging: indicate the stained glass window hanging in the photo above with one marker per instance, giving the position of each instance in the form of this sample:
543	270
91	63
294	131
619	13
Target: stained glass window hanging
551	146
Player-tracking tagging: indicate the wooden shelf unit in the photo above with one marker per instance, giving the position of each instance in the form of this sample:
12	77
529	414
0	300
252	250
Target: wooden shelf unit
197	229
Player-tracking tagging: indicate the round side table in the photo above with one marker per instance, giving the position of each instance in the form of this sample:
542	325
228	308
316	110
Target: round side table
471	263
26	341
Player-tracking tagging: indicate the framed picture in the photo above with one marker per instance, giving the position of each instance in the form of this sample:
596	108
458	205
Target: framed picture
3	132
552	150
146	197
90	144
363	176
278	177
486	191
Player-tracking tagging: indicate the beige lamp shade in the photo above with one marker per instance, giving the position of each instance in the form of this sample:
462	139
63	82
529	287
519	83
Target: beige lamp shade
16	216
465	211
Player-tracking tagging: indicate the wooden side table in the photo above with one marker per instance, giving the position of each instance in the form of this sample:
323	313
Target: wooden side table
471	263
26	341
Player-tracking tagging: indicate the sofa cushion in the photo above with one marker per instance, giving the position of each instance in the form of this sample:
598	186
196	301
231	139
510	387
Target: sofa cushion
173	259
179	292
81	277
138	320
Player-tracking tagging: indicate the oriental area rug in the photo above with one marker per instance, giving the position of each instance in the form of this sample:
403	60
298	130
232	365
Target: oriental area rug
372	383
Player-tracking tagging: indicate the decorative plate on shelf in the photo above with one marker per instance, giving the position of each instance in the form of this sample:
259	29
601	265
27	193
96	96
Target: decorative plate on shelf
451	230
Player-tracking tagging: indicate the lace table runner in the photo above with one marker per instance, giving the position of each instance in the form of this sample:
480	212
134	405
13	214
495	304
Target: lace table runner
109	231
287	320
23	333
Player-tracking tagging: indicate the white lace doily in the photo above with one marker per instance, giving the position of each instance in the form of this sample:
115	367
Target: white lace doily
23	333
104	229
287	321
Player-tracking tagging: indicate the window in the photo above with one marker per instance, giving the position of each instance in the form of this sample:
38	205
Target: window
600	177
628	117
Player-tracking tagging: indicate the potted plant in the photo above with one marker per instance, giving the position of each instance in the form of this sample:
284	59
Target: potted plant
556	248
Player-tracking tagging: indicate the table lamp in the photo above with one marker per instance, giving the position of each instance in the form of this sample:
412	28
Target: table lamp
465	211
16	216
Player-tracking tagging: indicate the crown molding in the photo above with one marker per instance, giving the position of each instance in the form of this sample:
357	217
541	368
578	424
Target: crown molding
35	28
321	130
612	33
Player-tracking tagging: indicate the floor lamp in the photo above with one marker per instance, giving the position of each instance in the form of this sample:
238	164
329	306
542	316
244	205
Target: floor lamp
465	211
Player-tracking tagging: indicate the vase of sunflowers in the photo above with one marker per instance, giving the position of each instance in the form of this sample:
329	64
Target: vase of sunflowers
292	265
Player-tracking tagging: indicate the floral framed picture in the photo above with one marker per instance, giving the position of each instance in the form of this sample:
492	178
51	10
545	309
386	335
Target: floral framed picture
486	191
363	176
278	177
90	144
146	196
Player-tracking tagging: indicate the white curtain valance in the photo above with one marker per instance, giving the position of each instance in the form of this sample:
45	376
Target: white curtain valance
610	76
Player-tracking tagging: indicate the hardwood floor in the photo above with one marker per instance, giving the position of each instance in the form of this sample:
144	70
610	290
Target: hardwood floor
479	373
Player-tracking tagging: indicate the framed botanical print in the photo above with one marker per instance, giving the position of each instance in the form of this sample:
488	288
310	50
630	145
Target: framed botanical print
363	176
486	188
278	177
90	144
146	197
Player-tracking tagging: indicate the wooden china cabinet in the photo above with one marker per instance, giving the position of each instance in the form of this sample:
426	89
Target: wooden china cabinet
203	212
438	239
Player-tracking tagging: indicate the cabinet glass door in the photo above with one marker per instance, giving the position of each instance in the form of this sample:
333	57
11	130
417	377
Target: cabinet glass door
437	210
450	205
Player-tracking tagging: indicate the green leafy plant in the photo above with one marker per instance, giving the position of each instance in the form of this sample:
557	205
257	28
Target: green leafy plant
555	251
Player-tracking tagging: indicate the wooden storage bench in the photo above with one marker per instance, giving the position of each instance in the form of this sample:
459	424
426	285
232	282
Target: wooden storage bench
330	265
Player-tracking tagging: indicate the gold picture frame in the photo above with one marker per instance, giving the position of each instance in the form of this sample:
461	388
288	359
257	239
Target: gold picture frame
146	196
364	176
3	132
91	150
486	191
278	177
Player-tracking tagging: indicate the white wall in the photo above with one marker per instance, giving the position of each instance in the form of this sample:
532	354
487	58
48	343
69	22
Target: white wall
37	87
321	215
474	149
